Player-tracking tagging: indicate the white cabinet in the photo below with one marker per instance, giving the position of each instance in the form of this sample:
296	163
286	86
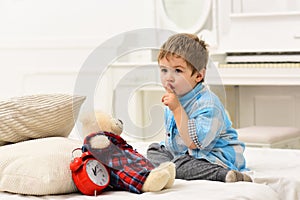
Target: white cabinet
255	26
269	106
136	100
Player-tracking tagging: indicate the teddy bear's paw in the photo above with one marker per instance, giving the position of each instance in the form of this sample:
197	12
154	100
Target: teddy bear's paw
156	180
99	142
170	167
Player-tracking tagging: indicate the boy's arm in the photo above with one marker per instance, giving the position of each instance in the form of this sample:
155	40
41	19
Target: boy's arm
181	118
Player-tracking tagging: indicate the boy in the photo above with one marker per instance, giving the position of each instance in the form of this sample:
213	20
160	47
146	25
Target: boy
200	139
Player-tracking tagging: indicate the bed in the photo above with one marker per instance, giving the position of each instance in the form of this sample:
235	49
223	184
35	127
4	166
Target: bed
32	165
275	173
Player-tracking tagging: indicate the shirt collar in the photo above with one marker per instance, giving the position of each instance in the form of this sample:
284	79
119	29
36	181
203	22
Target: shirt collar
191	94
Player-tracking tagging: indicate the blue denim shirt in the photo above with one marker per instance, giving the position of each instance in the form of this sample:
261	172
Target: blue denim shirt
210	129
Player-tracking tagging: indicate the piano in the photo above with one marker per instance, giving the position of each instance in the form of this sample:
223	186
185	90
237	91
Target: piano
258	44
260	68
258	59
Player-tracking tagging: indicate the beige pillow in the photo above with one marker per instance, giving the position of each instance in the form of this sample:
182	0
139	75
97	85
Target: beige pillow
38	116
38	167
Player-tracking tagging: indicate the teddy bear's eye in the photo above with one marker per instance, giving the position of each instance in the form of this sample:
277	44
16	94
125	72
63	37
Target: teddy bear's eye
120	121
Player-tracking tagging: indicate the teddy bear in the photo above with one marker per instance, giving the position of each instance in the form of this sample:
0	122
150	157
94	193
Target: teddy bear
129	170
104	122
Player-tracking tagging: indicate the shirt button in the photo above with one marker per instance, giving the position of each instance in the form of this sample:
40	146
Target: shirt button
168	134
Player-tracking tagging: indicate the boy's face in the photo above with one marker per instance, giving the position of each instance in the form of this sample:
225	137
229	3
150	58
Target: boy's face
176	75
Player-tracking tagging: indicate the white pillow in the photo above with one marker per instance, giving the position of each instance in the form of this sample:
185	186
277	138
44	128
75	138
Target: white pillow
38	116
38	167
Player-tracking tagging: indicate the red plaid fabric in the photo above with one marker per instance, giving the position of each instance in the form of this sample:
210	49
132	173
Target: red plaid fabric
128	168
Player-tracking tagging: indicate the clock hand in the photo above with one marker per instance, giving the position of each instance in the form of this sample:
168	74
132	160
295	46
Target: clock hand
95	171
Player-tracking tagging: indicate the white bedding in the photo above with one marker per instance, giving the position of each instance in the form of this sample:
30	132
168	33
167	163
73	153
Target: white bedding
276	174
277	168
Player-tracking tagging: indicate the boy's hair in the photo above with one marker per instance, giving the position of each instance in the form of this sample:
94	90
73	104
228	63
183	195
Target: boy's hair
187	46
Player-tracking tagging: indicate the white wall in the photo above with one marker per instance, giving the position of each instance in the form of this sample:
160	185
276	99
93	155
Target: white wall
43	43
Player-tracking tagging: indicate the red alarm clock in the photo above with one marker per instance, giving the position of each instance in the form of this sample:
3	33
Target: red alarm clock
89	175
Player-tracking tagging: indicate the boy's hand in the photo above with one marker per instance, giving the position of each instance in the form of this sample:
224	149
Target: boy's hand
170	99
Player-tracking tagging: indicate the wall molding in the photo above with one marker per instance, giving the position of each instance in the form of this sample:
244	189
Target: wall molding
50	42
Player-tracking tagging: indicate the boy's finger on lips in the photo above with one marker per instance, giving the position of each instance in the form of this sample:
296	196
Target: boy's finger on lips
169	88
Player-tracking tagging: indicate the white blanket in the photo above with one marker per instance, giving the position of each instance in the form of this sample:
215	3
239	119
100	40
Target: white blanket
181	190
277	168
276	174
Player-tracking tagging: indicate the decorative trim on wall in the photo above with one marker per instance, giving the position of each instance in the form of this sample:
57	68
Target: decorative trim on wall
50	43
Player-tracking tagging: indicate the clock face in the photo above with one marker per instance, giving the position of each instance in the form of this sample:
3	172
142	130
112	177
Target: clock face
97	172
